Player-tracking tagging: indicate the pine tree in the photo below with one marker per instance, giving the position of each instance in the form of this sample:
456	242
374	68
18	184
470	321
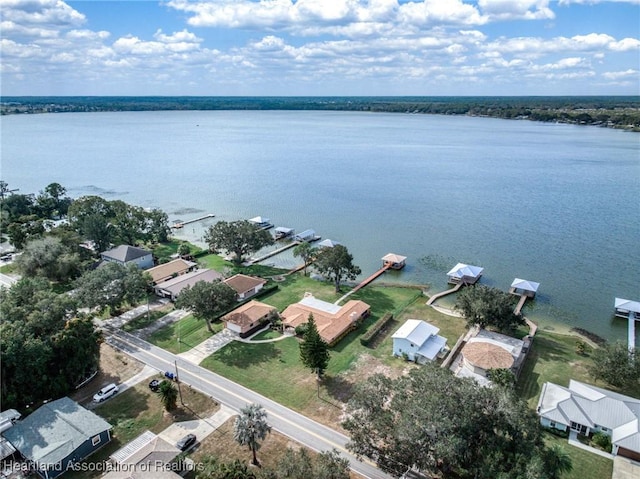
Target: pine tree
314	351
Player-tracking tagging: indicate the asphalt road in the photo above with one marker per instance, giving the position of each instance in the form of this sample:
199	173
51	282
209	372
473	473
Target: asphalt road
310	433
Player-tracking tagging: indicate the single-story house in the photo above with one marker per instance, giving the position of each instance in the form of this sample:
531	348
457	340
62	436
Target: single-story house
489	350
626	308
524	287
245	286
394	261
125	255
419	340
172	288
587	409
333	321
167	271
56	434
464	273
148	453
248	318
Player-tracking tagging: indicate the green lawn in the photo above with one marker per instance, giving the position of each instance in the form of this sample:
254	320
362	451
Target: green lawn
191	331
553	358
275	370
585	464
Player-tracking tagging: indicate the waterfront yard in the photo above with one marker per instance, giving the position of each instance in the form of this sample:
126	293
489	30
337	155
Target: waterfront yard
553	358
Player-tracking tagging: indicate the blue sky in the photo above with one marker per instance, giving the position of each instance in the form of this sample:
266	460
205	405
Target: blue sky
320	47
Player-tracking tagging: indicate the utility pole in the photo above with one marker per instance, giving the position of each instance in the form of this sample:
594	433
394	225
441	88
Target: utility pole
175	362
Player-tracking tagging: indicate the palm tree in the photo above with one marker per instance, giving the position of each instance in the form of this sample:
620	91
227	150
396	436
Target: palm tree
168	394
558	461
251	427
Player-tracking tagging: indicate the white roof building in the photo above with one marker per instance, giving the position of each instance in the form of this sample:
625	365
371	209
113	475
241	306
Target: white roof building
585	409
419	340
465	273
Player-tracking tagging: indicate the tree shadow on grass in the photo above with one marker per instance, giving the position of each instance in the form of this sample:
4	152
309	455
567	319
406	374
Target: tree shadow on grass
242	355
338	388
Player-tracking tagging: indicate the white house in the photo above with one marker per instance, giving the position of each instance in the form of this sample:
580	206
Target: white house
586	409
419	340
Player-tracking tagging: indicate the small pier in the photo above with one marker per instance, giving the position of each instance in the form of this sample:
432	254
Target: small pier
181	224
520	304
275	252
437	296
365	282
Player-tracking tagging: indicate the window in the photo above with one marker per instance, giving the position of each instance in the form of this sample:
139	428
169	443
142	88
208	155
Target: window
95	440
552	424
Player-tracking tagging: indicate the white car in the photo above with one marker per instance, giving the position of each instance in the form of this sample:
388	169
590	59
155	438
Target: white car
105	393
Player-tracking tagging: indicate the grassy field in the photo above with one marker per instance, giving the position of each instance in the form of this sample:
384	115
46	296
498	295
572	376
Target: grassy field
553	358
191	331
275	370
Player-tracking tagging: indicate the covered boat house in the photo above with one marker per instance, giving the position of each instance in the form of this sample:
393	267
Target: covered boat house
523	287
465	274
394	261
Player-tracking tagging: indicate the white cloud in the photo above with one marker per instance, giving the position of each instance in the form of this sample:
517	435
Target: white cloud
41	12
516	9
632	74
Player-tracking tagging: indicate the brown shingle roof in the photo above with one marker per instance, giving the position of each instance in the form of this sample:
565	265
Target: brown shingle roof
167	270
243	283
248	313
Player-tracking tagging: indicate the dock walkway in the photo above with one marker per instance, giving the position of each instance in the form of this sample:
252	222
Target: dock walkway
273	253
437	296
518	310
200	218
631	332
365	282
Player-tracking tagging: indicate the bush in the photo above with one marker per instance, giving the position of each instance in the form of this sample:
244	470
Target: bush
301	329
557	432
602	440
367	337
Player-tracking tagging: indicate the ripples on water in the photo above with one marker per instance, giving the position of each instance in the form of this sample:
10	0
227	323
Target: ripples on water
556	204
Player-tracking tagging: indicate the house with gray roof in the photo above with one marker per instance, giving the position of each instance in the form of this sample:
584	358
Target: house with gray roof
57	434
419	341
585	409
126	255
172	287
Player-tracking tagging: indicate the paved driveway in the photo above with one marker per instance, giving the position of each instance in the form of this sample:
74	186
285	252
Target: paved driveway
624	468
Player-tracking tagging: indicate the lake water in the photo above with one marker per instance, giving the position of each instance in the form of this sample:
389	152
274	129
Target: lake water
555	204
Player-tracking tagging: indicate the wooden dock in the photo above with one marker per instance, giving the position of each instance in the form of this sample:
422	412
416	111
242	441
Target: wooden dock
200	218
275	252
518	310
365	282
437	296
631	332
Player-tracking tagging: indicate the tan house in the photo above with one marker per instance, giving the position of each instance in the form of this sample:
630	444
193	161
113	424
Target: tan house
167	271
245	286
333	321
248	318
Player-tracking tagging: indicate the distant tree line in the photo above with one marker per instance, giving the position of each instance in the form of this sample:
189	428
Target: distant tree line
608	111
